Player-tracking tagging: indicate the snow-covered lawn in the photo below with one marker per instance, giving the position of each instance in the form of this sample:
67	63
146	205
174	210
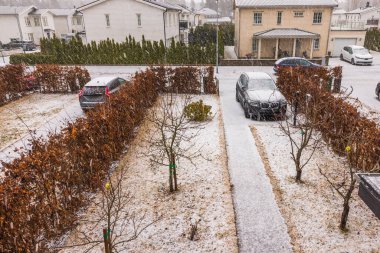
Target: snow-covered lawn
204	193
312	209
29	113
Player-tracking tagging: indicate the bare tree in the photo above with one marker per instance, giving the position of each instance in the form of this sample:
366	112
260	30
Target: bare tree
173	135
303	134
113	217
343	181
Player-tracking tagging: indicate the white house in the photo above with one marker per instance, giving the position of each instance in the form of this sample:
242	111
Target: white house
369	15
186	22
203	14
116	19
31	23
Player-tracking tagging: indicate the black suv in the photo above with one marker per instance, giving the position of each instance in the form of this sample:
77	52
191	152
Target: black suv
25	45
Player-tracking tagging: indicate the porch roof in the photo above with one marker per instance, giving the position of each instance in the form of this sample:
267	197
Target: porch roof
283	33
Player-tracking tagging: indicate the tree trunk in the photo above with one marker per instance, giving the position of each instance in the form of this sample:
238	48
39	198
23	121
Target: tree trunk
346	207
174	171
298	175
171	178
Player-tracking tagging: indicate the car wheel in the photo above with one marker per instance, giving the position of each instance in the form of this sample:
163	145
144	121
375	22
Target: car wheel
341	57
246	111
237	97
352	61
378	95
258	116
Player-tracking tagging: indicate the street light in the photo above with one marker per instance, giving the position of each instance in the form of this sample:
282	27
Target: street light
217	35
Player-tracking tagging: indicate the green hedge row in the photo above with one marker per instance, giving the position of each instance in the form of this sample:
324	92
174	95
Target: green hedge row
127	52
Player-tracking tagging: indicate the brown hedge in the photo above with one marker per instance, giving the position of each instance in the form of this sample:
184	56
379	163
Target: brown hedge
44	189
50	78
340	122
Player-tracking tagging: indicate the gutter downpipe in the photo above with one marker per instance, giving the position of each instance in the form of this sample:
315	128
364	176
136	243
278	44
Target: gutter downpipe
328	34
164	19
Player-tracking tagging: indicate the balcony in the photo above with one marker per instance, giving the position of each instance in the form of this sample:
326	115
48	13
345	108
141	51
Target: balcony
347	25
183	24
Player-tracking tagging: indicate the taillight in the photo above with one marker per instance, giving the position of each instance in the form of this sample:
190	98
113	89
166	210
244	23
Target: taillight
107	91
81	92
277	67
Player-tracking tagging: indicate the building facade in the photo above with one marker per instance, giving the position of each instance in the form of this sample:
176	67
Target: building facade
274	28
31	23
117	19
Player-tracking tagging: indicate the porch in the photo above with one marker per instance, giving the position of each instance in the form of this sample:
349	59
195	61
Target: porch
277	43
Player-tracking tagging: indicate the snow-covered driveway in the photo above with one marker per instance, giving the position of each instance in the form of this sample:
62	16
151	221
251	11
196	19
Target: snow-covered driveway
260	226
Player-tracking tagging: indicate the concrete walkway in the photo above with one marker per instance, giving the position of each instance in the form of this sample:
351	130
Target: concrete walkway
260	225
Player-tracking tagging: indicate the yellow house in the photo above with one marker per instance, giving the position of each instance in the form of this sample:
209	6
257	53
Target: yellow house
271	29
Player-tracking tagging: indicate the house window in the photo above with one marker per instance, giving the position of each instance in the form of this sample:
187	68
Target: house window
255	45
108	23
30	36
77	20
37	21
45	21
27	21
316	44
279	17
317	19
257	18
298	14
138	20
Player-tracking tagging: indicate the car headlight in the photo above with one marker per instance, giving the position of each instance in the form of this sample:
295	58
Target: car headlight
283	102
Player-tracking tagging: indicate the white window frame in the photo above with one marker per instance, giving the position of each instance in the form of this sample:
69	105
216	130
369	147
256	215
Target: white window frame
257	18
316	44
139	19
108	20
27	22
255	45
31	37
37	21
317	17
45	21
298	14
279	17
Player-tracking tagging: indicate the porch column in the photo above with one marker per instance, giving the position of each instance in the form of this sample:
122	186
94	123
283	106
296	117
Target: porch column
259	50
311	48
294	47
276	56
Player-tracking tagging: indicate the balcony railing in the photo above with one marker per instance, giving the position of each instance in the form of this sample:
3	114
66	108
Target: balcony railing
347	25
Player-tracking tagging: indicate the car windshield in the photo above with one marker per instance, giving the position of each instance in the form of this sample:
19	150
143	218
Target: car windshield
261	84
361	51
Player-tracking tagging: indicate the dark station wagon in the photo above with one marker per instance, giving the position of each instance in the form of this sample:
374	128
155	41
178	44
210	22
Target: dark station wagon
98	90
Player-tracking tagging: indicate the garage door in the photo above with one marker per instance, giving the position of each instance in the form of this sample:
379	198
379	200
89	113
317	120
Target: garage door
339	43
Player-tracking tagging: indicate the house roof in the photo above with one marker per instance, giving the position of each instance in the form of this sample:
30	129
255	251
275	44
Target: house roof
207	11
363	10
339	11
283	3
9	10
161	5
285	33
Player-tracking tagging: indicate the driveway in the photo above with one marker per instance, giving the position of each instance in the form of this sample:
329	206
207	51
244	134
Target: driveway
260	226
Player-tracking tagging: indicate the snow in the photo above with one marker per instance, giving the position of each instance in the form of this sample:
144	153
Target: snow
204	193
312	209
39	113
260	226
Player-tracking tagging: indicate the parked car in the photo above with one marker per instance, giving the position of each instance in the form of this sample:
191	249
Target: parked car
98	90
24	44
377	91
294	62
259	96
356	55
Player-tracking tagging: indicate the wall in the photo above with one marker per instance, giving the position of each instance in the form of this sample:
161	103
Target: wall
360	35
269	21
62	25
123	21
9	28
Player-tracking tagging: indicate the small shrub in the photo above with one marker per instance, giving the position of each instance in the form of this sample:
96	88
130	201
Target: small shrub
198	111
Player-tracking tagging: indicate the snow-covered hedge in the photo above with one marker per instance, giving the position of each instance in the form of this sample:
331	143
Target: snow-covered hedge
340	122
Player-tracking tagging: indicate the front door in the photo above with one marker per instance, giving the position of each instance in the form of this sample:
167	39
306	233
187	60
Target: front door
298	47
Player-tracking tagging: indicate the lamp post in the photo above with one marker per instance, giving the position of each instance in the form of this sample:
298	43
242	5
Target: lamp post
217	35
